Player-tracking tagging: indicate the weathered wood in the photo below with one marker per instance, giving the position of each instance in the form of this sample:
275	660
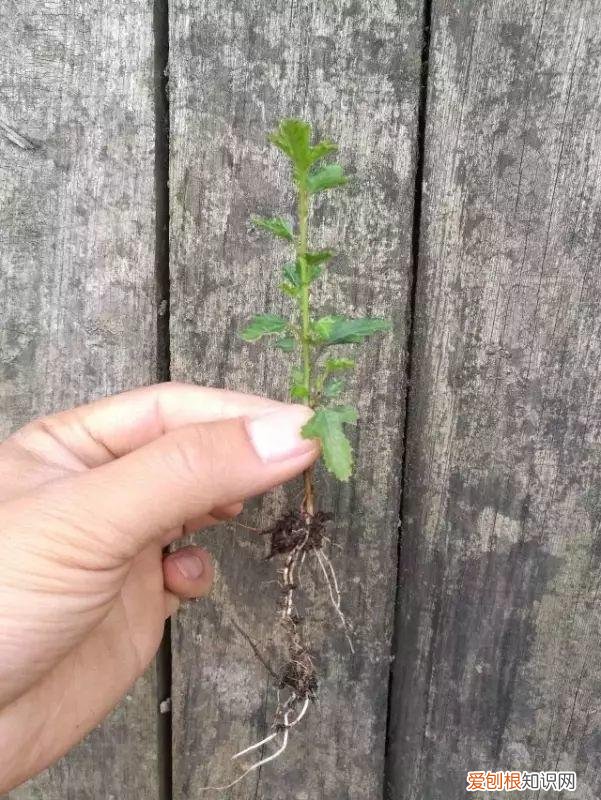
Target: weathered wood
499	623
77	292
235	69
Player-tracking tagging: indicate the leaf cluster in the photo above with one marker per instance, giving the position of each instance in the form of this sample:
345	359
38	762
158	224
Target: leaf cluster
293	138
319	380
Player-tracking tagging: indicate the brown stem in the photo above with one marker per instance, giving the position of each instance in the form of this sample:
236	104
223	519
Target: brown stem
308	504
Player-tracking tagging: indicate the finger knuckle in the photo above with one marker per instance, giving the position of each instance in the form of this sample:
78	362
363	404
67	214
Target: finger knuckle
189	454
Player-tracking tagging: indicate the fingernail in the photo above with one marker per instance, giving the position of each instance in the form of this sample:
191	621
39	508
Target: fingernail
190	566
276	436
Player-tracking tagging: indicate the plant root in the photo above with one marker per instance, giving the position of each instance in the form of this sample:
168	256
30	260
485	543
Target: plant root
297	528
294	535
281	728
334	590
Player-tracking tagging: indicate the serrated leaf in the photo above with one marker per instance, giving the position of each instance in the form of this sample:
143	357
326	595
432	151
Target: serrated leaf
343	330
322	149
298	390
333	387
326	178
287	344
318	256
289	289
313	272
322	327
299	393
293	138
338	364
293	274
275	225
327	426
263	325
353	331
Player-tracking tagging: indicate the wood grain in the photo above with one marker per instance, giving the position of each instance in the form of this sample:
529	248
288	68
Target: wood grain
499	626
77	290
353	70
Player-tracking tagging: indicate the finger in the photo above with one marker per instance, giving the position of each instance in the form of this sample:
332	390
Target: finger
122	506
188	572
230	511
172	603
215	517
94	434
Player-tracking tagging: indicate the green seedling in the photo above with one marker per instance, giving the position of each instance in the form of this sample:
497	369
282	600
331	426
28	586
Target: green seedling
318	379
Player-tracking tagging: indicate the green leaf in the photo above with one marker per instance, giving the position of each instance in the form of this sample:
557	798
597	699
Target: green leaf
299	393
298	390
293	275
322	328
293	138
322	149
263	325
333	387
289	289
287	344
343	330
338	364
327	426
276	225
318	256
326	178
313	272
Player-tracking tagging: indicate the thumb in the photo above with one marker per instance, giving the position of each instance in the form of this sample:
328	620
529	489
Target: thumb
135	499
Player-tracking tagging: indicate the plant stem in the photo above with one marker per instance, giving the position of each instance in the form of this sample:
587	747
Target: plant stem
305	309
305	298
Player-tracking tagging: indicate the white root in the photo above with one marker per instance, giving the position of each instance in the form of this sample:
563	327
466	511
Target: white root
302	713
300	567
258	764
255	746
286	726
334	590
291	563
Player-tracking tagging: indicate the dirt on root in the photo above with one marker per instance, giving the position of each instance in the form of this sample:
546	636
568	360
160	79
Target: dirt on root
294	534
300	676
294	527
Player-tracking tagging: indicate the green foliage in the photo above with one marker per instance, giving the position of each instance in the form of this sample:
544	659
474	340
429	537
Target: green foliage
321	150
343	330
326	178
286	343
314	383
327	426
263	325
298	386
276	225
293	138
338	364
294	279
318	257
333	387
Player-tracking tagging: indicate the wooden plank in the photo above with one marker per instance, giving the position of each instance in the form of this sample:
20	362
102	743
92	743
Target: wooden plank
77	290
500	624
235	69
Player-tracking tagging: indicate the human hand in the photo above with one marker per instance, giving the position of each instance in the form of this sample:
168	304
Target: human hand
88	499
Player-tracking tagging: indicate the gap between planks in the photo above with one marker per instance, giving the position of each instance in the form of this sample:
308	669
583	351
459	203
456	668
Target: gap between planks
415	243
163	352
